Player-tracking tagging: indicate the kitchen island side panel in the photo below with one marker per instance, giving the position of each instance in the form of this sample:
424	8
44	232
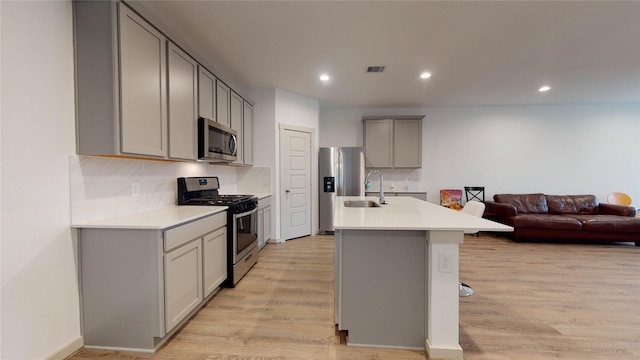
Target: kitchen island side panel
383	288
122	299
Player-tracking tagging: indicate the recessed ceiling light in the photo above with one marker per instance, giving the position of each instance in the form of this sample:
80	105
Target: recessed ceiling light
324	77
544	88
425	75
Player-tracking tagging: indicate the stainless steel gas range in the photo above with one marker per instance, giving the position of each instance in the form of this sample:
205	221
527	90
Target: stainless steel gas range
242	222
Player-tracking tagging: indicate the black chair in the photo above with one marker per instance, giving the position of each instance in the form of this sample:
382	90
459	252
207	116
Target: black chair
474	193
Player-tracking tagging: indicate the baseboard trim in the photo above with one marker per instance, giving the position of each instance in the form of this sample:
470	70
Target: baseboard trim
441	353
67	350
412	348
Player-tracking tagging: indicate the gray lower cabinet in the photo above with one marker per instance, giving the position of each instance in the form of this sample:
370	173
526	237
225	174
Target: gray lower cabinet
215	260
264	221
183	104
418	195
139	285
393	142
182	282
392	315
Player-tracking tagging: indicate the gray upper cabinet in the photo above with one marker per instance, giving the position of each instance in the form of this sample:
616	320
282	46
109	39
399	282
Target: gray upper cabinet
223	98
247	133
120	82
393	142
183	92
378	143
206	94
407	143
137	93
143	76
236	124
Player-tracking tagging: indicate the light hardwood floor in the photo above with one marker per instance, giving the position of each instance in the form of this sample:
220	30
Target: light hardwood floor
531	301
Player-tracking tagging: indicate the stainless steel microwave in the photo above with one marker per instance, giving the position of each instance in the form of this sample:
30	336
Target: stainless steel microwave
216	142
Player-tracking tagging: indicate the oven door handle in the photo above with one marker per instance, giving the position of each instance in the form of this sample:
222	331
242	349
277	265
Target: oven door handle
246	213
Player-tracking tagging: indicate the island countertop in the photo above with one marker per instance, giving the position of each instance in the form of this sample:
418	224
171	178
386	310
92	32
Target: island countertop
406	213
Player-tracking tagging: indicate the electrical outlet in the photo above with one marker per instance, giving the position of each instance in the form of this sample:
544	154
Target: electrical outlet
444	263
135	188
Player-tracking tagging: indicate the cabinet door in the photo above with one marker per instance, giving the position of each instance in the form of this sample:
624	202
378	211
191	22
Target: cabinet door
419	196
378	143
247	133
215	260
223	96
183	75
377	193
236	123
143	97
206	94
407	144
260	228
182	282
267	224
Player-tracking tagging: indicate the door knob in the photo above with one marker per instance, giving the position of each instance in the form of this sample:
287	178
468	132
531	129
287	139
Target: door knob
287	191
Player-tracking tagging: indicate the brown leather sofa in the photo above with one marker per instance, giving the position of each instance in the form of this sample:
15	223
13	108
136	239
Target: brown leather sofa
564	217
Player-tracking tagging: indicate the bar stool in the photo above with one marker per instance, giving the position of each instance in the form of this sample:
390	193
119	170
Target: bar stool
619	198
474	193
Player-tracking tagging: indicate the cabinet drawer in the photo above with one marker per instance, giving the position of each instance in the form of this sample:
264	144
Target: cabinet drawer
262	203
189	231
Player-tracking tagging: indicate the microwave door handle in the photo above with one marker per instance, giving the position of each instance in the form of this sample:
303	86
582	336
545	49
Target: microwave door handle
233	144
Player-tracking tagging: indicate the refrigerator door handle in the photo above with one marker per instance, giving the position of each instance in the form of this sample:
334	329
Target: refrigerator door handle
339	185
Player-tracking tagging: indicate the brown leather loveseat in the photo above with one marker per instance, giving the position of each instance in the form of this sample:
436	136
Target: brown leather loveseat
564	217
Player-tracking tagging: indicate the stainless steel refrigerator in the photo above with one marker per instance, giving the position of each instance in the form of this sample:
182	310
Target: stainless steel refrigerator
341	173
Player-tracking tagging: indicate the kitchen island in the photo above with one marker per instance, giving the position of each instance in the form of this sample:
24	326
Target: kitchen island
396	273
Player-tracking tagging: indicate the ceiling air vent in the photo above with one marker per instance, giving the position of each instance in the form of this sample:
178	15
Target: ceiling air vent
375	69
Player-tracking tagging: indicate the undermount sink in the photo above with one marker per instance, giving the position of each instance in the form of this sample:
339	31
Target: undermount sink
361	203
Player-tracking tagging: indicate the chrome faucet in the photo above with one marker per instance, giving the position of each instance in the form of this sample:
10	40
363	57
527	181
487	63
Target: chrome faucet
381	190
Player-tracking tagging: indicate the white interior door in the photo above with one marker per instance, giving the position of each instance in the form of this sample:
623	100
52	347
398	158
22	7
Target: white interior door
295	183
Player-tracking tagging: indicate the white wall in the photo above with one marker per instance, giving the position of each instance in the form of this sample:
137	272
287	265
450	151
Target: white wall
40	304
264	126
301	111
562	149
274	107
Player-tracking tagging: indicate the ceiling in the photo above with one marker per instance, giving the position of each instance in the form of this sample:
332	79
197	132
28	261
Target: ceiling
478	52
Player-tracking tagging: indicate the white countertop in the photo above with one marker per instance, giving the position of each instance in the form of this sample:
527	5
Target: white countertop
262	195
158	219
406	213
396	191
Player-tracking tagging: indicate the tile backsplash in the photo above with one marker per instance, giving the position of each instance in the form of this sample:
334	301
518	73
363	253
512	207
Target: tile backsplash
103	187
254	180
402	179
